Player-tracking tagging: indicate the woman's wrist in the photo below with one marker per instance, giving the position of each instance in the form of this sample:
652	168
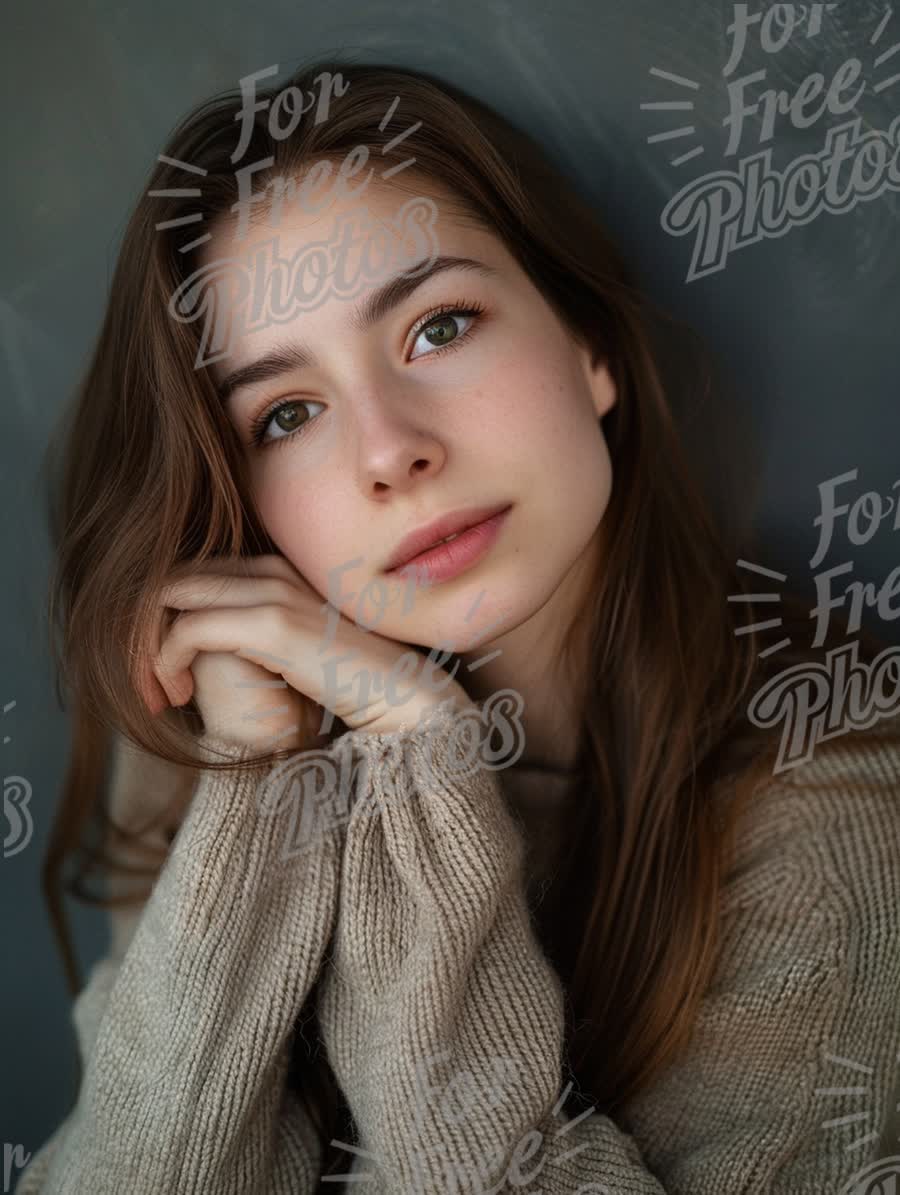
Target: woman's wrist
417	709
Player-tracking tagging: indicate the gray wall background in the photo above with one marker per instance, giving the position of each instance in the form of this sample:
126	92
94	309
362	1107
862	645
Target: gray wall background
804	327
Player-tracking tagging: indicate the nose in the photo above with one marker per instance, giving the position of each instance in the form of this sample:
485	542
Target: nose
396	449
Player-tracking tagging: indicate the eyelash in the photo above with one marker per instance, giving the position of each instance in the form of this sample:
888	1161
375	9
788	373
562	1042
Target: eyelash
259	425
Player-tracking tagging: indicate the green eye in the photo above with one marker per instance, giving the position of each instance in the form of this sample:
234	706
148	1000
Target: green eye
290	423
442	330
285	414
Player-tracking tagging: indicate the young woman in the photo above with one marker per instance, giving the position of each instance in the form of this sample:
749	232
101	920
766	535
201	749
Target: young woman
624	950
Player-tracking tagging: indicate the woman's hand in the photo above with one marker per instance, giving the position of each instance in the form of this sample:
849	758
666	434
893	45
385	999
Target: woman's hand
242	702
220	681
270	624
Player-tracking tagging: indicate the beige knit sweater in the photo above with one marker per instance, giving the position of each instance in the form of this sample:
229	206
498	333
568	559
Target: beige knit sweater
442	1018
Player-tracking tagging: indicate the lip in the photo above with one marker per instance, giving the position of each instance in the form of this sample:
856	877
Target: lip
476	529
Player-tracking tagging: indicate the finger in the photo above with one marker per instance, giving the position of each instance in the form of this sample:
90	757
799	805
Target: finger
157	691
153	692
246	632
241	566
151	689
199	592
164	620
145	680
170	695
157	685
184	593
182	584
177	689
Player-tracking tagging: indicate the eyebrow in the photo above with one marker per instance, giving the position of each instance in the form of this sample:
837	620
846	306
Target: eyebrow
284	358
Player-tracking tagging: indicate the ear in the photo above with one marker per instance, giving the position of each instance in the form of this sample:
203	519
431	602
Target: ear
599	379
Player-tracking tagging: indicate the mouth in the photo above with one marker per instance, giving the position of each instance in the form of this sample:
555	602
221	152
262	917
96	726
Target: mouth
449	545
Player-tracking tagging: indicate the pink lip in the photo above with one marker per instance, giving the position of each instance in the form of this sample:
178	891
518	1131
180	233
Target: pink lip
444	561
430	534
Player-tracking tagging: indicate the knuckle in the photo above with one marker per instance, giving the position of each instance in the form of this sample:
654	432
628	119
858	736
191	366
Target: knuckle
178	630
271	618
285	590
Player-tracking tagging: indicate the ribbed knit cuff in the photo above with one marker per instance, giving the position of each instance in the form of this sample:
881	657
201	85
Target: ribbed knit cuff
436	975
184	1091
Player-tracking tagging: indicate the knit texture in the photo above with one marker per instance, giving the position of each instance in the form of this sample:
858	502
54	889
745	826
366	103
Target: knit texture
443	1019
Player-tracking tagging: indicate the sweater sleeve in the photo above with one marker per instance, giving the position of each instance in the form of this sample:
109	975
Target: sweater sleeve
185	1027
443	1019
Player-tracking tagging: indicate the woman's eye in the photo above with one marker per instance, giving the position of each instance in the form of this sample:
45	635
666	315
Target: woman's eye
287	417
444	330
441	331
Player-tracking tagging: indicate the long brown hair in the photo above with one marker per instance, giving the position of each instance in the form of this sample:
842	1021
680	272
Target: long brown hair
152	475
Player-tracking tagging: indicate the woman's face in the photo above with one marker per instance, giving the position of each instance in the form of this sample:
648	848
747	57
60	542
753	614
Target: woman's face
388	428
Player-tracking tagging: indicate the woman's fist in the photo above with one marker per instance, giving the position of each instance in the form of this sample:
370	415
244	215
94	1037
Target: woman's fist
242	702
239	701
263	613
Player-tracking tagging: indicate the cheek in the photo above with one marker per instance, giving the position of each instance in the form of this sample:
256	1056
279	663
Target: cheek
601	478
300	517
553	412
318	530
519	413
576	468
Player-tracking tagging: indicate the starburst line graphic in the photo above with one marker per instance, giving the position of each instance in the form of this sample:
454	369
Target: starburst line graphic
839	1122
196	192
761	597
885	83
675	105
566	1127
688	105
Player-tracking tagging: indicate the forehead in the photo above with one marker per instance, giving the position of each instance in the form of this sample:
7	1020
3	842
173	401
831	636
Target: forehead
304	208
282	276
